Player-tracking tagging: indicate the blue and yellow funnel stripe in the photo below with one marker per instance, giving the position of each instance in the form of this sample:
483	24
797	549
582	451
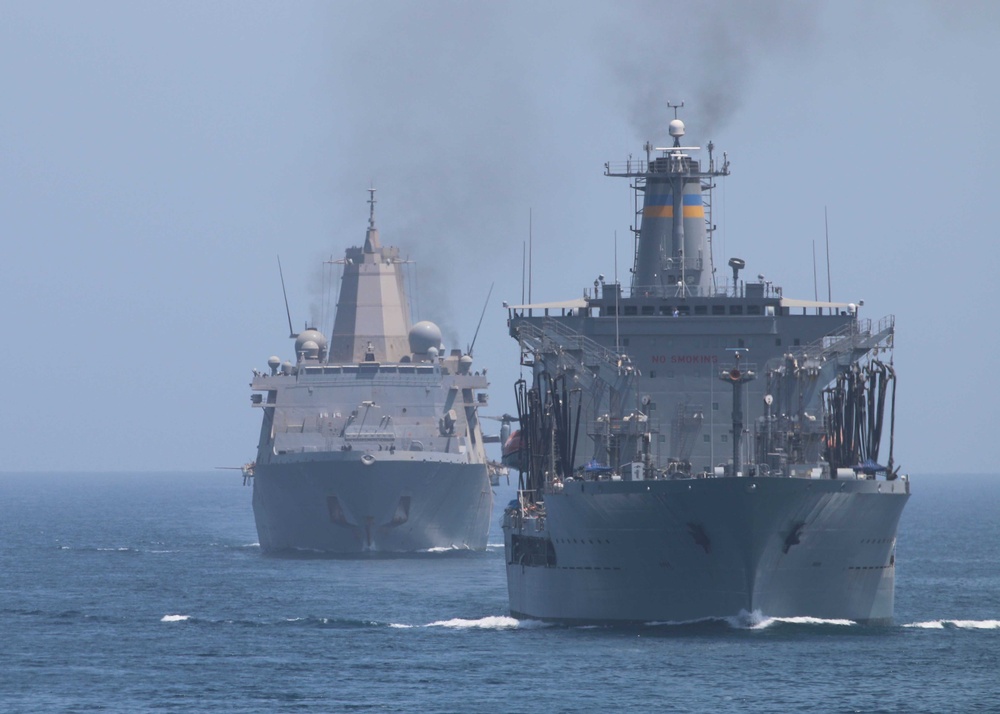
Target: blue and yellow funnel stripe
662	206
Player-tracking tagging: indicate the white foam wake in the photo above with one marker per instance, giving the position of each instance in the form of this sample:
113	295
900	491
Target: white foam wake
960	624
756	620
496	622
174	618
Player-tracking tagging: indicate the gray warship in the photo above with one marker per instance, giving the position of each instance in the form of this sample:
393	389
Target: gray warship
372	445
694	449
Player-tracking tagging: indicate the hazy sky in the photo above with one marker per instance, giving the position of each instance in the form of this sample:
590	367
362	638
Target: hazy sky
156	157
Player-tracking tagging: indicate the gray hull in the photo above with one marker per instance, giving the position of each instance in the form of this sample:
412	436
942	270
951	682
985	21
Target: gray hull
686	550
349	503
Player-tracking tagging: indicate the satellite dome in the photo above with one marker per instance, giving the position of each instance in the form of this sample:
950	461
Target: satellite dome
313	335
676	128
309	350
424	336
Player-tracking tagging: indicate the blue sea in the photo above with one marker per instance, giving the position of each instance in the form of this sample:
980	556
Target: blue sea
148	592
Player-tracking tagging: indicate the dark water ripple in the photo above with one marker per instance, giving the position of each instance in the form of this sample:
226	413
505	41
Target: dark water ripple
142	593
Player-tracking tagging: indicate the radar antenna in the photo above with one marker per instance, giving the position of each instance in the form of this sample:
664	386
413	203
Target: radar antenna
481	315
291	331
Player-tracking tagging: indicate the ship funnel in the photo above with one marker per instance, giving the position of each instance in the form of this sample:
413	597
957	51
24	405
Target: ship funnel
673	256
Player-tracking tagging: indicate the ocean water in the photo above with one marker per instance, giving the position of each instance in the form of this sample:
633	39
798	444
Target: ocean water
148	592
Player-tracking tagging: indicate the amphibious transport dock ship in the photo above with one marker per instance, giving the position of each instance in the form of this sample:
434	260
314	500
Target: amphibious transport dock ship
692	449
373	444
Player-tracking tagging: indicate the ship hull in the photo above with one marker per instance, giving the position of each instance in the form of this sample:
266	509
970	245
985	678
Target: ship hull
348	503
688	550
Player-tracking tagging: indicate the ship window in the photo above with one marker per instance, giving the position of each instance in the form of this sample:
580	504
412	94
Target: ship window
684	309
662	438
652	374
753	309
706	438
735	309
797	341
624	342
631	310
647	310
718	309
652	406
665	310
715	406
777	342
701	309
740	343
725	437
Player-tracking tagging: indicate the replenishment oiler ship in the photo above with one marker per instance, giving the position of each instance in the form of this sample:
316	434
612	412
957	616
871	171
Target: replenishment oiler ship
695	449
371	444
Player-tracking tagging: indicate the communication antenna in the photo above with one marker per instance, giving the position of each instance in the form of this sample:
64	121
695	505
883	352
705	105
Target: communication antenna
524	263
618	292
829	290
529	256
815	283
675	107
291	331
481	315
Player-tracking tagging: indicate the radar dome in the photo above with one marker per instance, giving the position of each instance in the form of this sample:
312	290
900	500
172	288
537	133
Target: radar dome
314	339
309	350
425	336
676	128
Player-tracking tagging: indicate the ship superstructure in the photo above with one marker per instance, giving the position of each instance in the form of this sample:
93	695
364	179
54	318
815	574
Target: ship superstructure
695	448
373	442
